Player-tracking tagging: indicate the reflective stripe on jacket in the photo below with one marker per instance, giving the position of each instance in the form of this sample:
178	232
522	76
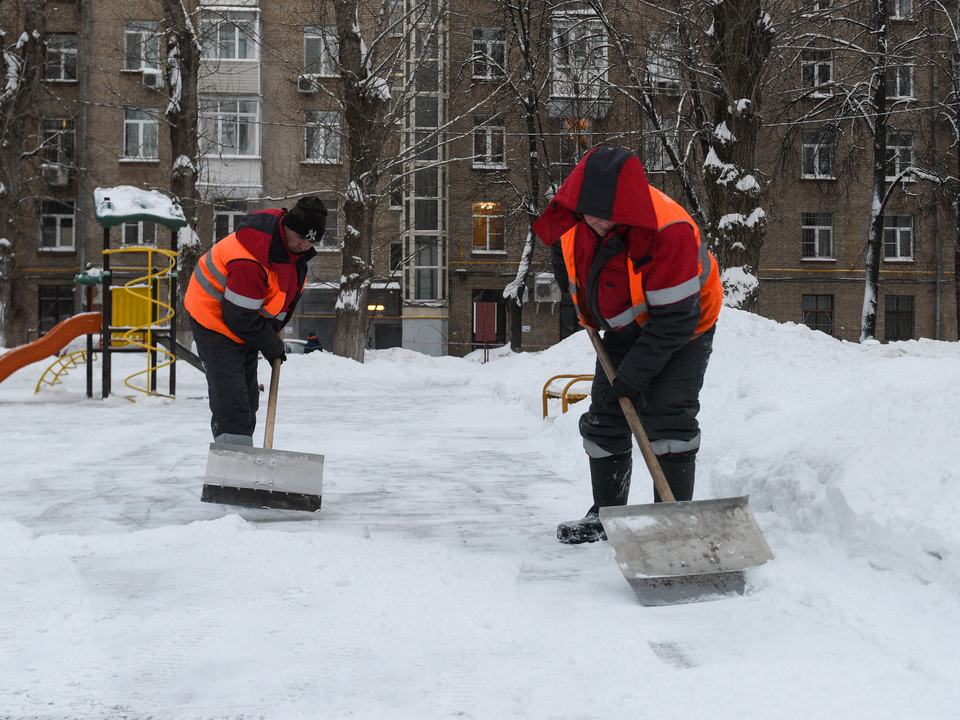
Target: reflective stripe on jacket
707	282
208	288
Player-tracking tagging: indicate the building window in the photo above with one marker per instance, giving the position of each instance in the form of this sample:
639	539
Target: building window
321	51
899	9
426	268
818	312
58	136
816	70
323	137
815	6
61	57
489	140
816	154
395	17
816	230
56	304
427	119
662	66
898	317
56	225
331	235
898	237
231	35
396	257
140	233
489	52
140	133
899	154
141	45
226	216
488	227
655	158
899	82
229	128
579	57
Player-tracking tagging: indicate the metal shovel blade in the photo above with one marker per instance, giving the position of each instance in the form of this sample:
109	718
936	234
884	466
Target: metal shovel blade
680	552
263	478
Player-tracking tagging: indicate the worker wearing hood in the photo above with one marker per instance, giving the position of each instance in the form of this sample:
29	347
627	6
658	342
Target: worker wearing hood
632	261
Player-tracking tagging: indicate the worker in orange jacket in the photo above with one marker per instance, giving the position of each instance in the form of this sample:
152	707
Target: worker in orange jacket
242	293
632	260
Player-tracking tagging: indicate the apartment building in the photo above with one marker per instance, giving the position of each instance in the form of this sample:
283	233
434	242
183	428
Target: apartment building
453	219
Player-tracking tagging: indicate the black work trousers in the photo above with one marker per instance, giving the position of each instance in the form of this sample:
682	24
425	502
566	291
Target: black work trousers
672	401
231	370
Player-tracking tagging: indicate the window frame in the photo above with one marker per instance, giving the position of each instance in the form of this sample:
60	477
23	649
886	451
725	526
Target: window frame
47	211
214	116
895	154
430	269
66	57
331	240
575	67
328	55
320	135
895	9
487	214
213	25
898	231
902	75
823	317
63	304
893	318
812	223
142	125
141	38
489	131
812	61
55	139
140	226
819	148
485	53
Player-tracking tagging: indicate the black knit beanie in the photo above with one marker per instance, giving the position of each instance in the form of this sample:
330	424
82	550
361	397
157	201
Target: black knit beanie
308	218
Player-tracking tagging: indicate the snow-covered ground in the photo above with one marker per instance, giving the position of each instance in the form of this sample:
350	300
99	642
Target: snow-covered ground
431	584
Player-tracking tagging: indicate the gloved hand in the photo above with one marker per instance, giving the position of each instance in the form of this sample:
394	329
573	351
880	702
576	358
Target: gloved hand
621	389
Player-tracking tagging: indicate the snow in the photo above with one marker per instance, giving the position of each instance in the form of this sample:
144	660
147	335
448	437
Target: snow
431	585
115	204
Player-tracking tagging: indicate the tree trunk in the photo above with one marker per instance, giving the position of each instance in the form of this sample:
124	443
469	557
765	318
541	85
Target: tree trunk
183	119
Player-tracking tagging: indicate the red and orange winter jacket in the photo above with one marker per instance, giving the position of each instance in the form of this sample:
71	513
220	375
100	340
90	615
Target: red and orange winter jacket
248	284
651	270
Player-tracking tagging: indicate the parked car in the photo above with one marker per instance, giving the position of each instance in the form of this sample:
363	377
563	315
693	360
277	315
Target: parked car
293	346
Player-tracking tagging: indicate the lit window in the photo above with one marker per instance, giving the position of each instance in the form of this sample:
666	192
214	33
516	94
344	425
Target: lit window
61	57
817	236
323	137
140	134
898	237
56	225
488	227
141	45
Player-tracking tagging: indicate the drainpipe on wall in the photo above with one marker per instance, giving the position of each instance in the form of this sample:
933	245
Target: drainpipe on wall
81	229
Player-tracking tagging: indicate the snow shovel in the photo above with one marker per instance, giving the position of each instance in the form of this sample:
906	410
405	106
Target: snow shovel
679	552
263	477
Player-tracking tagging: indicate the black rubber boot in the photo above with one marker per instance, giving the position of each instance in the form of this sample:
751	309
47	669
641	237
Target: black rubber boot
680	471
610	478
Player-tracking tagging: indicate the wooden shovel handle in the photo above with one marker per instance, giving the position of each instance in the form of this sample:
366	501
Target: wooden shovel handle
653	465
272	405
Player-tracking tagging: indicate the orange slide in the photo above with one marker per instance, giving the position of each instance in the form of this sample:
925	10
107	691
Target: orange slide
62	333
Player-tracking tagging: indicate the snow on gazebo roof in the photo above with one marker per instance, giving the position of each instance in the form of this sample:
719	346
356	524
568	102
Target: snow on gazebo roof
125	203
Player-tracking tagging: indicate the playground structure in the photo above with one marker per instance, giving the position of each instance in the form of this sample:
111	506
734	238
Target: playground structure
134	317
565	394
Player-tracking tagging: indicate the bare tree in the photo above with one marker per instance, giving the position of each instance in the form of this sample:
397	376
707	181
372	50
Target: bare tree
22	28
